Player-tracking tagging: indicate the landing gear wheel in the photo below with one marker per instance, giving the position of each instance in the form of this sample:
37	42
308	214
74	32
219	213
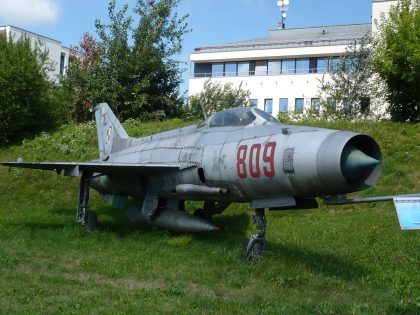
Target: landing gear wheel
91	220
254	249
210	209
256	244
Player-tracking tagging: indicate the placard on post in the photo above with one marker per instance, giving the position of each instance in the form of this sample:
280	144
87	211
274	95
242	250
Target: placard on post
408	211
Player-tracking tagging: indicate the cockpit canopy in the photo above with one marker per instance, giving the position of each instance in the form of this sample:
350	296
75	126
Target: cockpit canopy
238	116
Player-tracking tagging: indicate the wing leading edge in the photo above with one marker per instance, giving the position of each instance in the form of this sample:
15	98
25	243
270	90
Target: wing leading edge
74	168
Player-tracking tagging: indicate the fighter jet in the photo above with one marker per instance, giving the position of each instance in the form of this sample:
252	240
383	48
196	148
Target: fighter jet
239	155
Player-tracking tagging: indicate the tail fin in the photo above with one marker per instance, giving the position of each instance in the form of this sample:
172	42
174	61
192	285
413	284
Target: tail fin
111	134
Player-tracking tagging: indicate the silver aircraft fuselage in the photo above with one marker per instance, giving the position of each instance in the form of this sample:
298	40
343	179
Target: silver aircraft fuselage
239	155
263	162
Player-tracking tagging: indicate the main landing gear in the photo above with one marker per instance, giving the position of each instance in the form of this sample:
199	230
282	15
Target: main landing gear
256	244
210	209
85	217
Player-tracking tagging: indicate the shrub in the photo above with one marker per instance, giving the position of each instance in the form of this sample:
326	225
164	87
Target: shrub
25	99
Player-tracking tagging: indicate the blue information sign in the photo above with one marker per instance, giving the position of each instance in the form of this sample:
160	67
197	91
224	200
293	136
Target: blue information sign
408	211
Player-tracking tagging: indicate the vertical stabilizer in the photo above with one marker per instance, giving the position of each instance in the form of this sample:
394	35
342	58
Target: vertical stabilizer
111	134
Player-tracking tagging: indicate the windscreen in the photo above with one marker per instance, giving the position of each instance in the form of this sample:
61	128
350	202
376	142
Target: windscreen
266	116
239	116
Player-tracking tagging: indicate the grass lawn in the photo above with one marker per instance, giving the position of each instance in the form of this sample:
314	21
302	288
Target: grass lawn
336	260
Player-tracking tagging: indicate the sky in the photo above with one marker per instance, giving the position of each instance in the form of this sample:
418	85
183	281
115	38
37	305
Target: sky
211	21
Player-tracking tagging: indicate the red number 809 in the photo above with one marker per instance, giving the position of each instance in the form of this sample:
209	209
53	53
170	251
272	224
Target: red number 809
254	160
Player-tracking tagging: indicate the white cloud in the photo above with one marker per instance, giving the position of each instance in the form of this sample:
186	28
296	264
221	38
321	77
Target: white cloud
28	12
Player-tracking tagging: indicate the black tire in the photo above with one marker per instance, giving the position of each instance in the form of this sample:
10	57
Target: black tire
253	251
91	220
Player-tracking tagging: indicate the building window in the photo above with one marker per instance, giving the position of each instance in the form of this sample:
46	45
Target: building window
252	66
347	105
284	105
332	103
313	65
288	66
202	70
322	65
231	69
302	66
62	61
243	68
217	70
268	105
315	103
274	67
333	63
261	68
299	105
253	102
364	105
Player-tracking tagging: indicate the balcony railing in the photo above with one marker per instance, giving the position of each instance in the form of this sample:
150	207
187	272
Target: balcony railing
258	73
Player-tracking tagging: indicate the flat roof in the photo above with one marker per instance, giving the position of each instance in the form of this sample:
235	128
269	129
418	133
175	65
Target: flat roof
29	32
298	37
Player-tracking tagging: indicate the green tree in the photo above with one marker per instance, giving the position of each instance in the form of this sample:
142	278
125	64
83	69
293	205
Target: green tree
215	97
136	71
25	94
351	83
84	84
397	59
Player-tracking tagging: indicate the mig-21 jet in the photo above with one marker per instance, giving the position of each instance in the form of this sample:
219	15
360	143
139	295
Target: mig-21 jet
239	155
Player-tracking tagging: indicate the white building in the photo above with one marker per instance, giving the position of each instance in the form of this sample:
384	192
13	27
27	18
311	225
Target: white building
57	53
282	71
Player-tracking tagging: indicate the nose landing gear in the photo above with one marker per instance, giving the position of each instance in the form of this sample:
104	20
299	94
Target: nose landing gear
256	244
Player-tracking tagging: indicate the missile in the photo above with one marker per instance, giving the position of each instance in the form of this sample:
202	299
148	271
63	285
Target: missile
174	220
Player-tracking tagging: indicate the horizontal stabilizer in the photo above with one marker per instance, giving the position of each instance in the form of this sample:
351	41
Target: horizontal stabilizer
74	168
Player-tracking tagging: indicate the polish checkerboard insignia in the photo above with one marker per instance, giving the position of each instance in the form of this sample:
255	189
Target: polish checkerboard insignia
108	135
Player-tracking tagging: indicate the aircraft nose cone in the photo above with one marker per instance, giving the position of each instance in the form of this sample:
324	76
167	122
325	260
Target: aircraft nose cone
355	163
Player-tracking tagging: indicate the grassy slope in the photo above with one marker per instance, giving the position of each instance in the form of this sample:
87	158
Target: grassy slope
340	260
